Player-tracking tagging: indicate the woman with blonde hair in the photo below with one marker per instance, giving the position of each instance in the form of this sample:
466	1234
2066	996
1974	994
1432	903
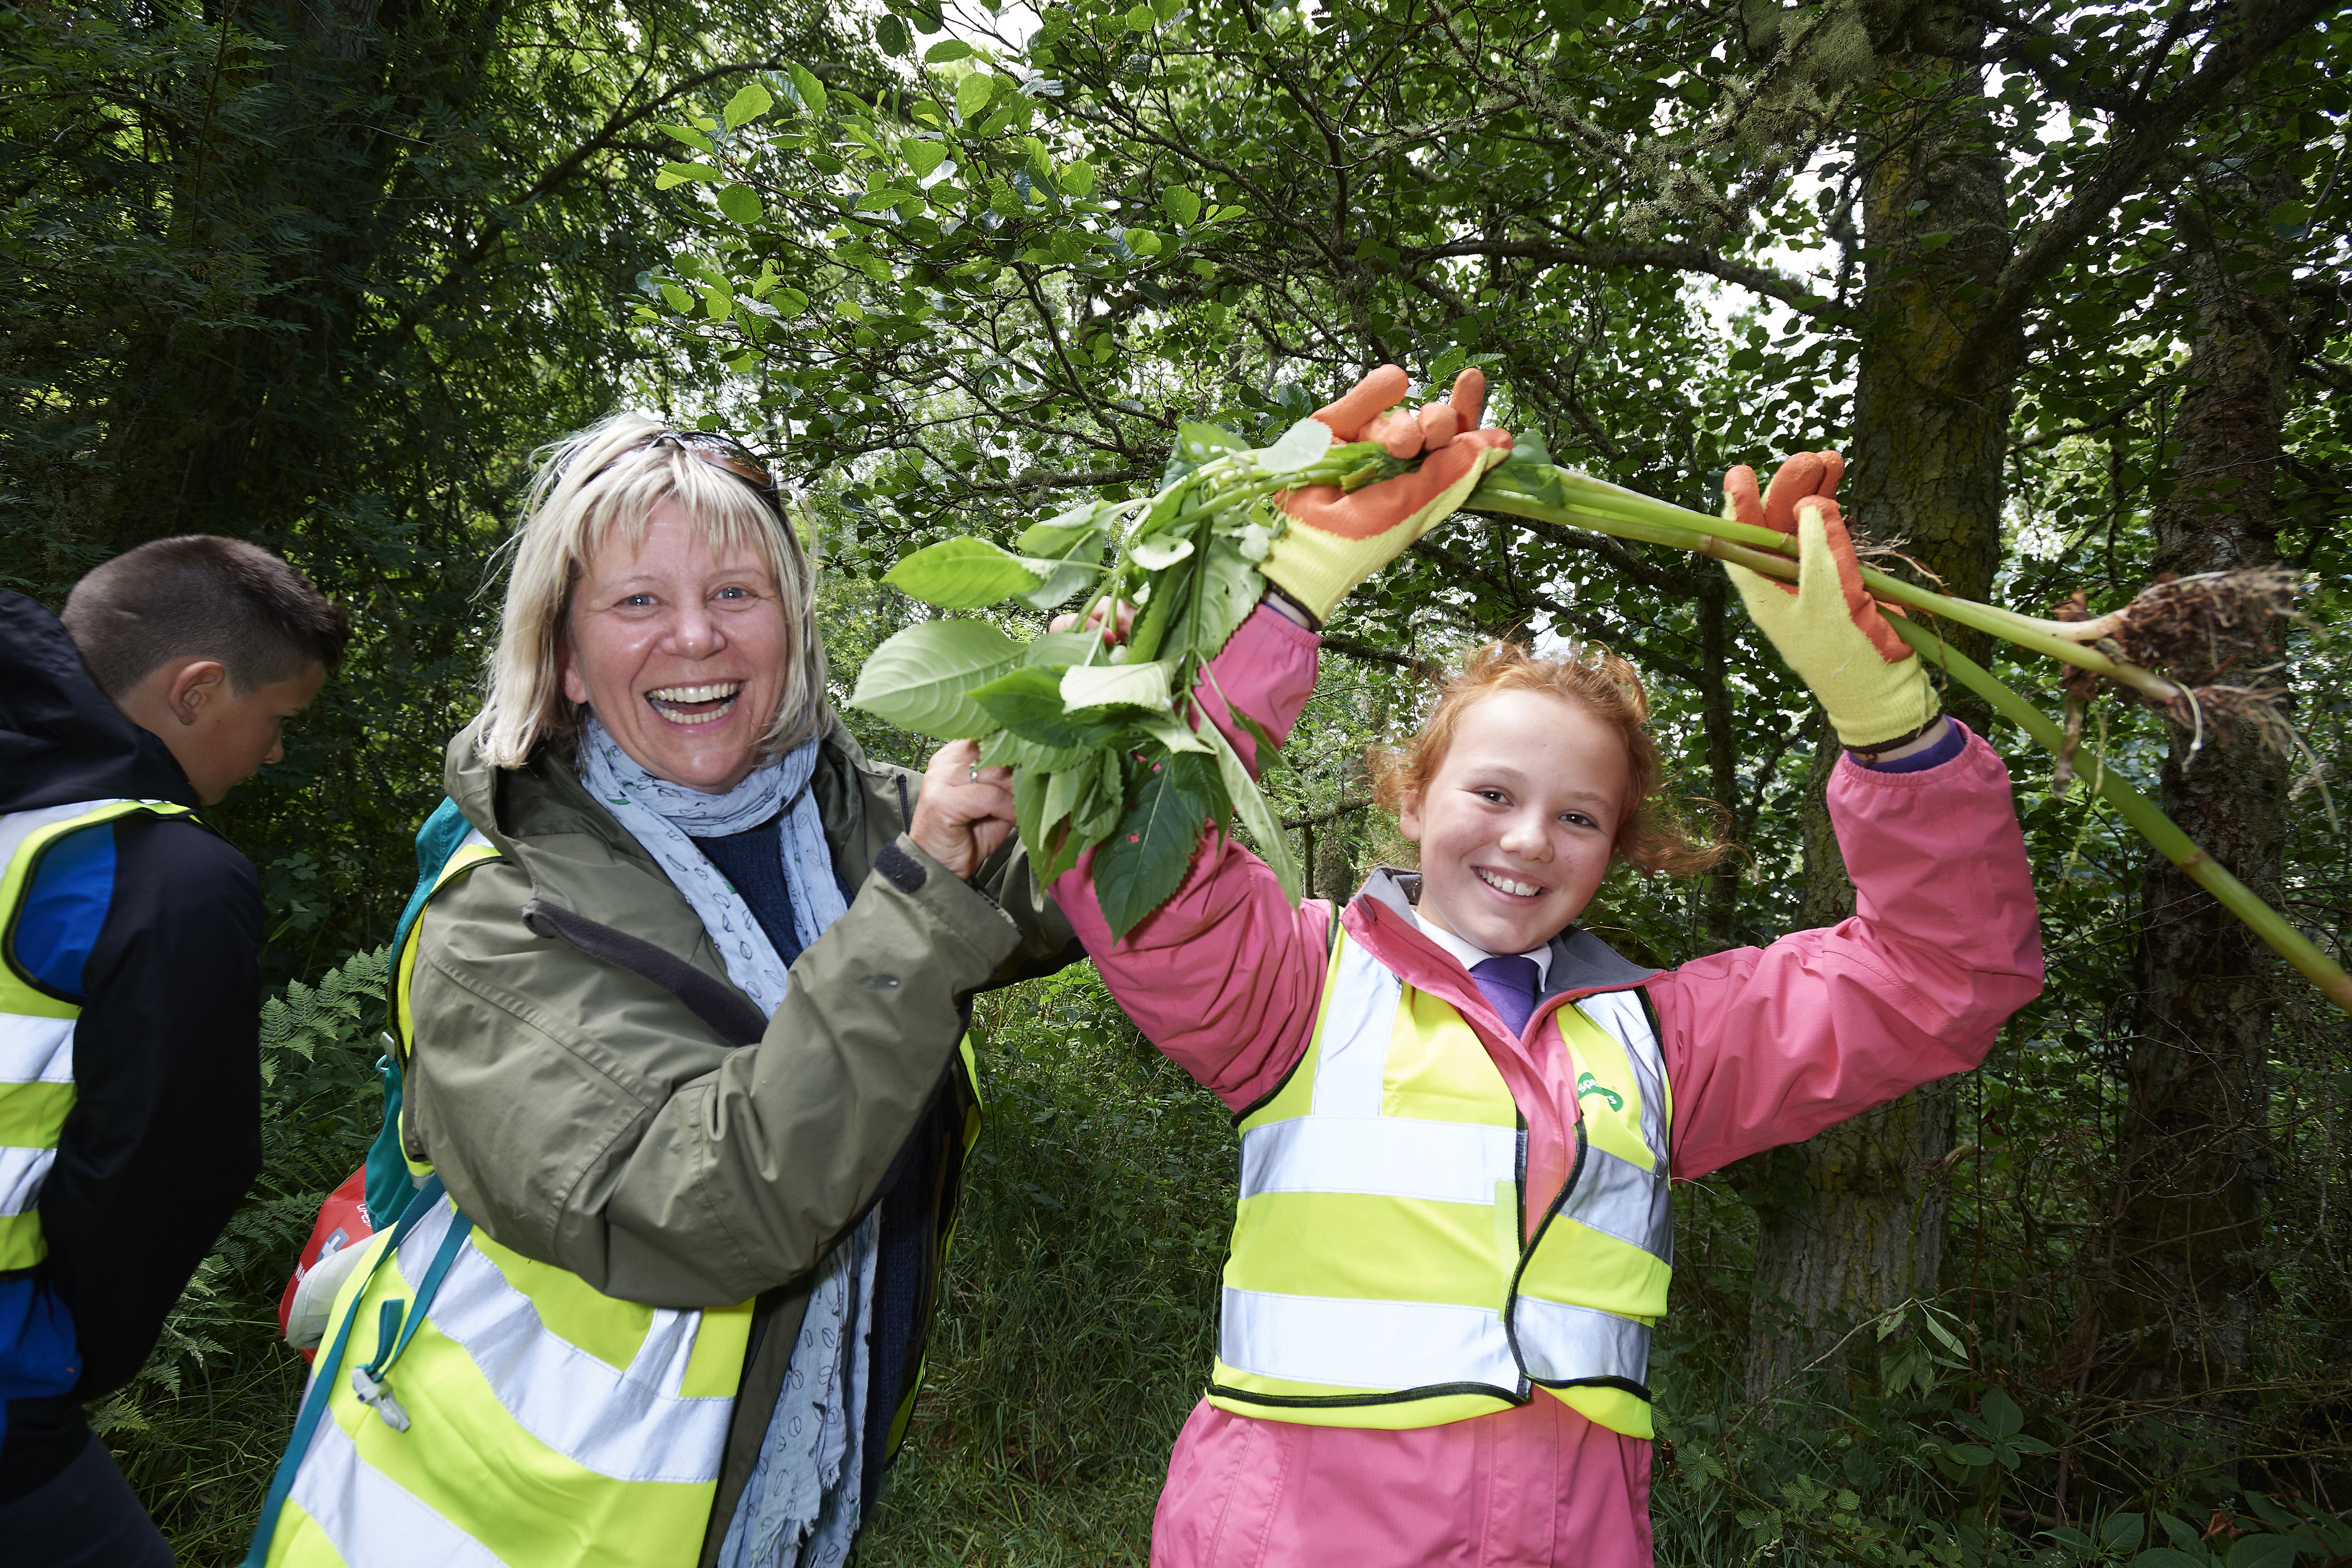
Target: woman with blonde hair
684	1106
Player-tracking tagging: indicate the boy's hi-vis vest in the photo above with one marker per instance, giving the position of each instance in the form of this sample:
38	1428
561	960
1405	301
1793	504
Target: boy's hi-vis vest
476	1407
36	1026
1378	1276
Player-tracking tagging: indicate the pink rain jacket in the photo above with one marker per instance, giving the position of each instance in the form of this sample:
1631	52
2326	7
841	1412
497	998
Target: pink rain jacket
1763	1047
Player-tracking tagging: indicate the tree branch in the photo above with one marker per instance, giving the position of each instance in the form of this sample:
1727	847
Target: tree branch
2128	162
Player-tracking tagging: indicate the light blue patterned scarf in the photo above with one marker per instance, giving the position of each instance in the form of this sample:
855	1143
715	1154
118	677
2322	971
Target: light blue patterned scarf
801	1507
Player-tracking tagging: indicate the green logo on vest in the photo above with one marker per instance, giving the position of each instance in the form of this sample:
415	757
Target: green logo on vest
1587	1084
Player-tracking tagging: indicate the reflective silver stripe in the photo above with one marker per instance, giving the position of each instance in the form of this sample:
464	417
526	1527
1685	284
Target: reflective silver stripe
1620	1014
1383	1345
1561	1342
36	1050
1617	1198
627	1424
1351	1064
1383	1156
371	1520
22	1171
18	826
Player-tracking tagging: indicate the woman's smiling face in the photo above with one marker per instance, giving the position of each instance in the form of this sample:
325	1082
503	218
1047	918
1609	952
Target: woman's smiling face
680	647
1517	823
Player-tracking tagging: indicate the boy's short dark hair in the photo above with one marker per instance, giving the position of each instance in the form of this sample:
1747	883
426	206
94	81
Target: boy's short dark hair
200	595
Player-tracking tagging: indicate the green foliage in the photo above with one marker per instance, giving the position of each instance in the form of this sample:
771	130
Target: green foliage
1075	1330
199	1431
1187	554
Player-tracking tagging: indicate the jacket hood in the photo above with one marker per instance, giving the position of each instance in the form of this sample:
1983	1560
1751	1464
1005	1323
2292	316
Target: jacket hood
1580	962
62	739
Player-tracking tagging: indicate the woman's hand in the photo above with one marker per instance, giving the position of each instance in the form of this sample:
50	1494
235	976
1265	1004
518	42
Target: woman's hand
965	810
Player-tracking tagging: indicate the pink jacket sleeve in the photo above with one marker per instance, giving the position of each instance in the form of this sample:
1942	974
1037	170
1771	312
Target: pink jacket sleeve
1224	976
1770	1046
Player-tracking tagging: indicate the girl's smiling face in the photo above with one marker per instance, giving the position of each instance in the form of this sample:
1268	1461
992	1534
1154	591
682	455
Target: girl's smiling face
1518	822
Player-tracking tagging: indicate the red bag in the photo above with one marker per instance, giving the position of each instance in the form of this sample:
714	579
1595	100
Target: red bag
344	1221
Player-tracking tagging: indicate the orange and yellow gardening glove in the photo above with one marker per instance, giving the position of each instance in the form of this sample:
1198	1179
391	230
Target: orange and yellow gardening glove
1828	626
1337	540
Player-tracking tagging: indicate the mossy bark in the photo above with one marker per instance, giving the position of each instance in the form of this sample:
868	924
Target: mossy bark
1853	1221
2172	1318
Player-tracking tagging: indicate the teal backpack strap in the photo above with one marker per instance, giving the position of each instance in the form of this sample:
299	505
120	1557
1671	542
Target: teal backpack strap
388	1189
314	1403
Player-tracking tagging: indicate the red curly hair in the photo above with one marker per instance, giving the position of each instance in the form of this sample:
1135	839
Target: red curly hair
1653	836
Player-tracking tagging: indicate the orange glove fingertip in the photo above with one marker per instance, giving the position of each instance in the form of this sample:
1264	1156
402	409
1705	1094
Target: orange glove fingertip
1355	409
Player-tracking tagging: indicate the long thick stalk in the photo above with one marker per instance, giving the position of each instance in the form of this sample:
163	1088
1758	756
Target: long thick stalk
2143	815
1628	514
2134	807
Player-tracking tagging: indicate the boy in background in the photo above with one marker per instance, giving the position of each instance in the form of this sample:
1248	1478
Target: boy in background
130	990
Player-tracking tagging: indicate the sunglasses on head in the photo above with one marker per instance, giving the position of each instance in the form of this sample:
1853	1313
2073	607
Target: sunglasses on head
720	452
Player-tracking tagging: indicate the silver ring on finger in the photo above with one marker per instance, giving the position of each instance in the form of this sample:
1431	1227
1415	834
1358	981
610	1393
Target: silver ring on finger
972	773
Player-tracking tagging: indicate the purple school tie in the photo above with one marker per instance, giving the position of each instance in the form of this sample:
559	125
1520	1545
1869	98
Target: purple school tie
1509	983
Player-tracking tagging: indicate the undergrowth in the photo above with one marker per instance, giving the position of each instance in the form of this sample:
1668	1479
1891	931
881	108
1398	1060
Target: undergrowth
199	1431
1077	1323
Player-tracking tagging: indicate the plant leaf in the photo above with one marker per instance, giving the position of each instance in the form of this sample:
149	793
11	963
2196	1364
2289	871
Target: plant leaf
1063	532
1228	587
923	157
925	678
1154	841
742	203
748	105
1158	554
964	574
1029	703
1174	733
2263	1551
1199	443
1300	445
1092	684
973	93
811	91
2001	1416
1057	650
1249	806
1058	589
1007	750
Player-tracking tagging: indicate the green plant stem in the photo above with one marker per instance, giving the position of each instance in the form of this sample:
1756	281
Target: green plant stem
2144	816
2134	807
1628	514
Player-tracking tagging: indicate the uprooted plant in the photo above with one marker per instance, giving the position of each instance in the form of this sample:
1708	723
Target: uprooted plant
1103	740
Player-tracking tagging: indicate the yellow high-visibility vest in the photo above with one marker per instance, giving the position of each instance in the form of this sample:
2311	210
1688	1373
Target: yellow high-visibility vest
36	1026
528	1421
1378	1275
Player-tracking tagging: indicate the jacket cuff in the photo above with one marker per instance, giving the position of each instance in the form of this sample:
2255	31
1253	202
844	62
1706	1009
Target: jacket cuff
955	904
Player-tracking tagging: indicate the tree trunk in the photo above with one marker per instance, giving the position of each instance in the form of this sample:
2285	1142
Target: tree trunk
1853	1221
2176	1313
1719	913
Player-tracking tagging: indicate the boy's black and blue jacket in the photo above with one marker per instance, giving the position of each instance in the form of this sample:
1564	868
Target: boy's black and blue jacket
156	925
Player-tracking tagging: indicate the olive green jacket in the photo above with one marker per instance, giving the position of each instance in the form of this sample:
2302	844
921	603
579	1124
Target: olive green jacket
585	1116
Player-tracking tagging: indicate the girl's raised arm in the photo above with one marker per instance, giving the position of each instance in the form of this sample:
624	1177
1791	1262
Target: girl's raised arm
1224	976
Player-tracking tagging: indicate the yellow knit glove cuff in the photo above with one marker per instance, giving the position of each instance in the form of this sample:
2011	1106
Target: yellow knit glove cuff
1317	569
1870	701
